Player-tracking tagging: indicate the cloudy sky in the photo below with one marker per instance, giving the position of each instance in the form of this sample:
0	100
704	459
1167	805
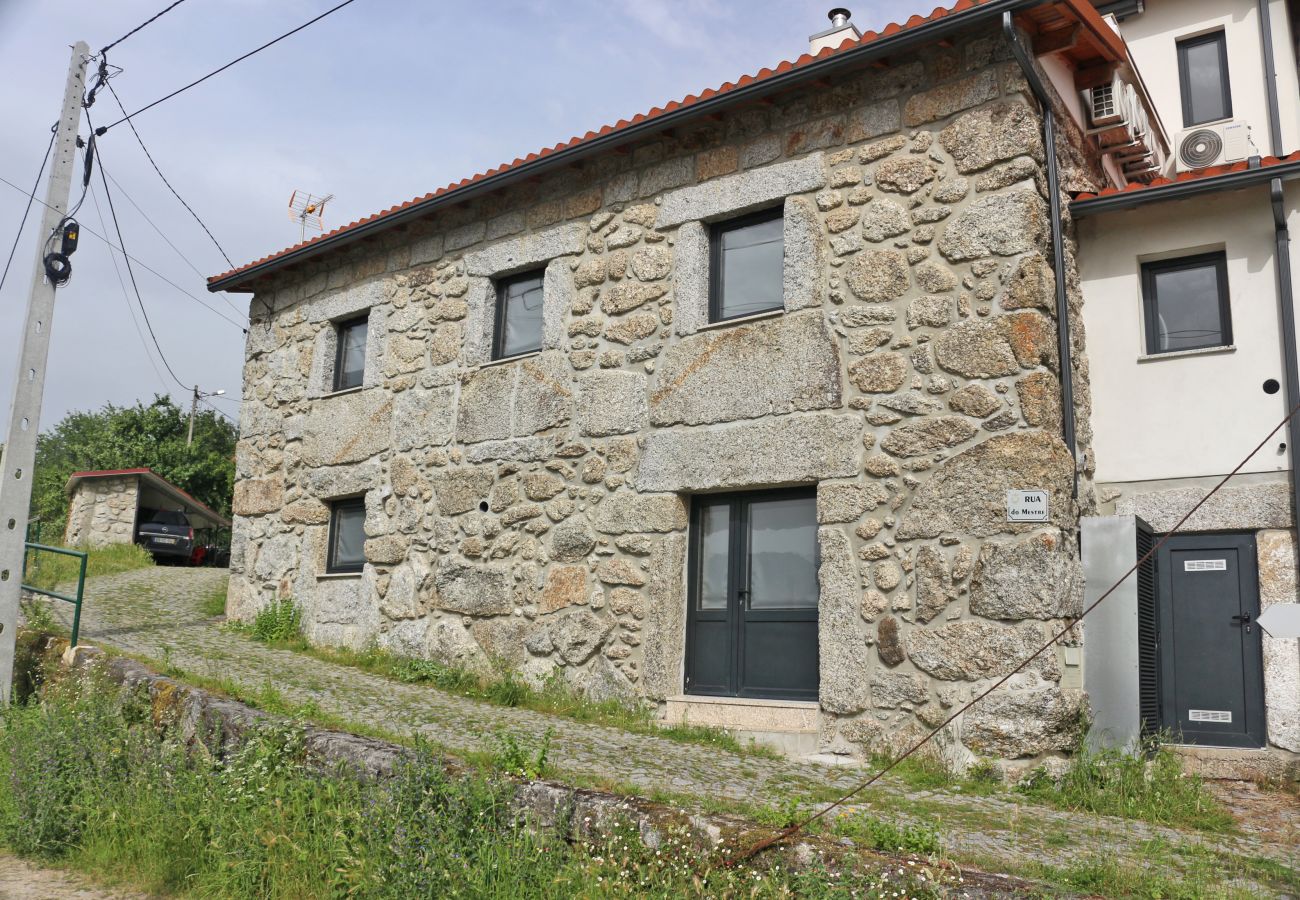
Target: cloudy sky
382	101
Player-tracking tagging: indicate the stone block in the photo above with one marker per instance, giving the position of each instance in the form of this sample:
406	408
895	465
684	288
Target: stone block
577	634
502	640
734	194
620	571
423	418
347	428
878	275
532	249
665	623
1031	286
691	280
889	690
611	402
544	396
932	311
847	502
627	512
879	373
842	646
565	586
977	348
981	138
769	367
866	122
473	590
953	97
972	651
966	495
451	644
1035	578
797	449
934	583
258	496
905	174
572	540
805	255
928	436
486	397
1012	723
461	490
1000	224
1040	400
974	400
883	219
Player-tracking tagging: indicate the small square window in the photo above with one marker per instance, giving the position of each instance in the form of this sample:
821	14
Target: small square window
350	359
1203	74
747	258
1186	303
347	536
519	316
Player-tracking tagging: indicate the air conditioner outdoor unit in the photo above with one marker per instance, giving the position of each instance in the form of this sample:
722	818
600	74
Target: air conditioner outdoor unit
1218	144
1119	123
1107	103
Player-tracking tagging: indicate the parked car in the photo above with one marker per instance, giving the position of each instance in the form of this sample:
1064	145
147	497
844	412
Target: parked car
168	536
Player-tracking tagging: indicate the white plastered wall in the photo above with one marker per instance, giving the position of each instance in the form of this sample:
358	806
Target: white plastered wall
1152	38
1183	415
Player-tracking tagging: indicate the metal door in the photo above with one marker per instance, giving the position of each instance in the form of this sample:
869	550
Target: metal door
752	616
1211	661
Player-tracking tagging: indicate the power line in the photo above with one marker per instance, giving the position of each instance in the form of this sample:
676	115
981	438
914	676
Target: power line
804	823
229	64
108	195
125	299
175	194
220	412
30	197
138	262
142	26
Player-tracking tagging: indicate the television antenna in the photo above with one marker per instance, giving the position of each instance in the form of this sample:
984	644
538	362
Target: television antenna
307	210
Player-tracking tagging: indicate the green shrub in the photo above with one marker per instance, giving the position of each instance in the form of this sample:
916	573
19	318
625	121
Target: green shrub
279	622
879	834
523	757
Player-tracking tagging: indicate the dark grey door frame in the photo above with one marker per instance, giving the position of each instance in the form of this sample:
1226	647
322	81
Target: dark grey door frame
734	615
1244	631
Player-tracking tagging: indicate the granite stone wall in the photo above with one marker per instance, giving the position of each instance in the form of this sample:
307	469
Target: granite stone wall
102	511
533	514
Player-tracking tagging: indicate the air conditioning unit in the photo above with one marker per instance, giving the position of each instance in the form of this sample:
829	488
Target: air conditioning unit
1119	123
1107	103
1221	143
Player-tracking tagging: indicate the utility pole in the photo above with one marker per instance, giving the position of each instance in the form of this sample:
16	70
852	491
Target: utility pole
194	407
29	383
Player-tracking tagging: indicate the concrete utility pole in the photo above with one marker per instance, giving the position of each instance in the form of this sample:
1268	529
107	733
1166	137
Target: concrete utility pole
194	408
29	384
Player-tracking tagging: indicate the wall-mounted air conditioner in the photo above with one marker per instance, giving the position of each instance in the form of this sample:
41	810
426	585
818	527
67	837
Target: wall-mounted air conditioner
1214	145
1119	123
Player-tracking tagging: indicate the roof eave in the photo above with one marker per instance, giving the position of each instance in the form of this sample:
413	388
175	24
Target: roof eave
1182	190
240	282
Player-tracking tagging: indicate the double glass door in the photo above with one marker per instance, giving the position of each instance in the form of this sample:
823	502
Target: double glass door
752	618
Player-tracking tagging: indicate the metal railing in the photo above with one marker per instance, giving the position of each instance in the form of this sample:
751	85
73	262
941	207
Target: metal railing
81	581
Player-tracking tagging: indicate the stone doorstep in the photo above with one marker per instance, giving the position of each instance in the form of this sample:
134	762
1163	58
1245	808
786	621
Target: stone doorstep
1238	763
791	727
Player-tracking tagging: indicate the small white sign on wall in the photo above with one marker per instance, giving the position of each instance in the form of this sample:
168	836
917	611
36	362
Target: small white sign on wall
1027	506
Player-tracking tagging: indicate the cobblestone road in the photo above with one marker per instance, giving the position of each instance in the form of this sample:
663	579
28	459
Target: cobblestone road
157	613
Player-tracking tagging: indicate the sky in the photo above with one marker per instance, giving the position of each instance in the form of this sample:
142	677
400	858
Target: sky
380	102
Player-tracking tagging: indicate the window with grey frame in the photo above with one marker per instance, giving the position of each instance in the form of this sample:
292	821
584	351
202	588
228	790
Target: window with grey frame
350	354
347	537
1186	304
1203	76
746	264
518	324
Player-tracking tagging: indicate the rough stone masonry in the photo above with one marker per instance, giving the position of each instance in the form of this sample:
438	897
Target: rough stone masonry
533	514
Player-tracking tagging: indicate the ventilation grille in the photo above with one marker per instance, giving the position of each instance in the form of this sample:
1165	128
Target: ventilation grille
1104	106
1218	716
1148	634
1205	565
1201	148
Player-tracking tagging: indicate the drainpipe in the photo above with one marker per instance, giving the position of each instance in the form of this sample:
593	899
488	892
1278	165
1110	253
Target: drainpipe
1058	242
1282	253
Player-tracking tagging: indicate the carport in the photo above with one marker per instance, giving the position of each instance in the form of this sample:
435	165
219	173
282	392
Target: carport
107	506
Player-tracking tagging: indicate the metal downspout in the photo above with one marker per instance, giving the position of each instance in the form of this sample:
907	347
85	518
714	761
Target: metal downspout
1066	365
1282	236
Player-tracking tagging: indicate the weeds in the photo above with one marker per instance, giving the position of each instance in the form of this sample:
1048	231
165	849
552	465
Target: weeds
879	834
214	604
1114	783
47	570
92	784
279	622
522	756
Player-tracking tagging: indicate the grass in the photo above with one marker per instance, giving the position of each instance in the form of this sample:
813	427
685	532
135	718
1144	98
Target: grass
90	784
214	604
1133	786
47	570
278	625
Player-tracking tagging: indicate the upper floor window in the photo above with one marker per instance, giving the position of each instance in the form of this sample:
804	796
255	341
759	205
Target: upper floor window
518	316
347	537
746	261
1186	303
1203	73
350	358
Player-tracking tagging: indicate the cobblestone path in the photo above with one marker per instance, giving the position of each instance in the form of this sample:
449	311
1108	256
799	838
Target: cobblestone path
157	613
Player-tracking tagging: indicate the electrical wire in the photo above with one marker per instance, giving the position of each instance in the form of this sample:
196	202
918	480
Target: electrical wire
108	195
240	59
112	255
220	412
175	194
804	823
147	22
30	198
138	262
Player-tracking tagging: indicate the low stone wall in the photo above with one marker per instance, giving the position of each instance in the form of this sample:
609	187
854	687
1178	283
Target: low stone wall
197	718
102	511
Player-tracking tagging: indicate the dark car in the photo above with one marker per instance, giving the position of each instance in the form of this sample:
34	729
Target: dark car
168	536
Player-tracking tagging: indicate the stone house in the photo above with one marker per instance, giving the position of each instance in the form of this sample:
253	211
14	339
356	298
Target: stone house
719	407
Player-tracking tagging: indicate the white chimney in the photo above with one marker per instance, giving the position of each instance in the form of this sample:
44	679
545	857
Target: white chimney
841	30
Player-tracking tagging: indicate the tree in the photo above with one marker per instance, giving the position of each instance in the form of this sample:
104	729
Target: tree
130	437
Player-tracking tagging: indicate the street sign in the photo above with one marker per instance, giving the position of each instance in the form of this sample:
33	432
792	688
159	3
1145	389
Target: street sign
1027	506
1281	620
